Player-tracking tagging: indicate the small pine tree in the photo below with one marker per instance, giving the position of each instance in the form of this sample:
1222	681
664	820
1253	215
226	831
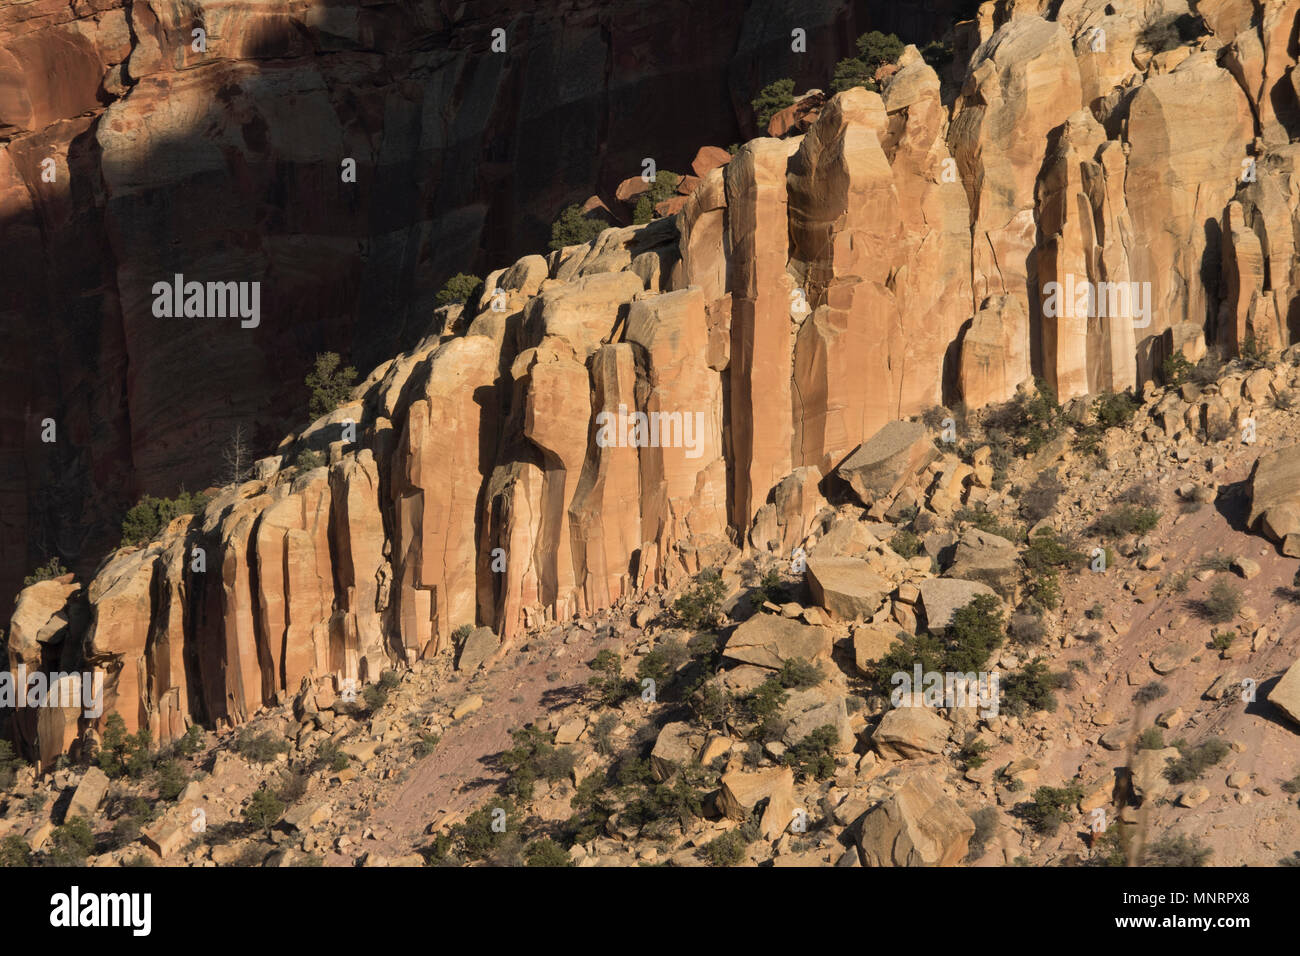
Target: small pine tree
263	810
460	288
574	227
771	100
330	385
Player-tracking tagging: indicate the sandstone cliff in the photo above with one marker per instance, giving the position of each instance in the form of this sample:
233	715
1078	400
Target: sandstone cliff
126	155
809	292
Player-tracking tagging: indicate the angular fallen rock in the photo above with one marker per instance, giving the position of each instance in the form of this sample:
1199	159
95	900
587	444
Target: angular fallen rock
769	641
918	825
846	587
907	732
88	796
881	465
941	598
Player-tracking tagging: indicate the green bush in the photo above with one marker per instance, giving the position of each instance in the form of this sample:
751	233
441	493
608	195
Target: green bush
14	851
905	544
986	824
534	757
1031	688
1176	851
461	288
10	764
308	459
771	100
878	49
612	688
573	227
263	810
853	72
150	515
974	634
546	852
1125	520
1049	808
1151	739
121	753
48	571
330	757
972	754
1175	369
329	383
812	757
662	663
1027	422
191	742
170	779
71	843
1046	552
1149	693
798	674
728	849
700	608
1194	761
260	748
761	709
664	186
1223	603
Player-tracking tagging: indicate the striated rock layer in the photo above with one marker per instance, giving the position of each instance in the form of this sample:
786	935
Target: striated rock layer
619	415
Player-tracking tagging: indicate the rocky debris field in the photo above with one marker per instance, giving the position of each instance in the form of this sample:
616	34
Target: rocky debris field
1127	567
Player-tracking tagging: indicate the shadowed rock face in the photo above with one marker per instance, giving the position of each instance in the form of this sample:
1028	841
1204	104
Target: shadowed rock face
225	165
625	413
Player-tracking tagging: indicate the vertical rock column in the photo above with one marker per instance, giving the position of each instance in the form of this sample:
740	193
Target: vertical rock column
761	347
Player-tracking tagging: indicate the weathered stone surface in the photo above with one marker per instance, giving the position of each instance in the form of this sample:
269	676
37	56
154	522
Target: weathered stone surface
871	642
479	645
89	795
906	732
743	790
846	587
1275	484
1285	694
769	641
673	748
918	825
986	558
941	598
879	466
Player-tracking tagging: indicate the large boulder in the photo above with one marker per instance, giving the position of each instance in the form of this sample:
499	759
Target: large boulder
815	707
881	465
846	587
871	642
1285	695
769	641
479	645
907	732
1275	493
981	556
941	598
918	825
743	790
676	746
89	795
